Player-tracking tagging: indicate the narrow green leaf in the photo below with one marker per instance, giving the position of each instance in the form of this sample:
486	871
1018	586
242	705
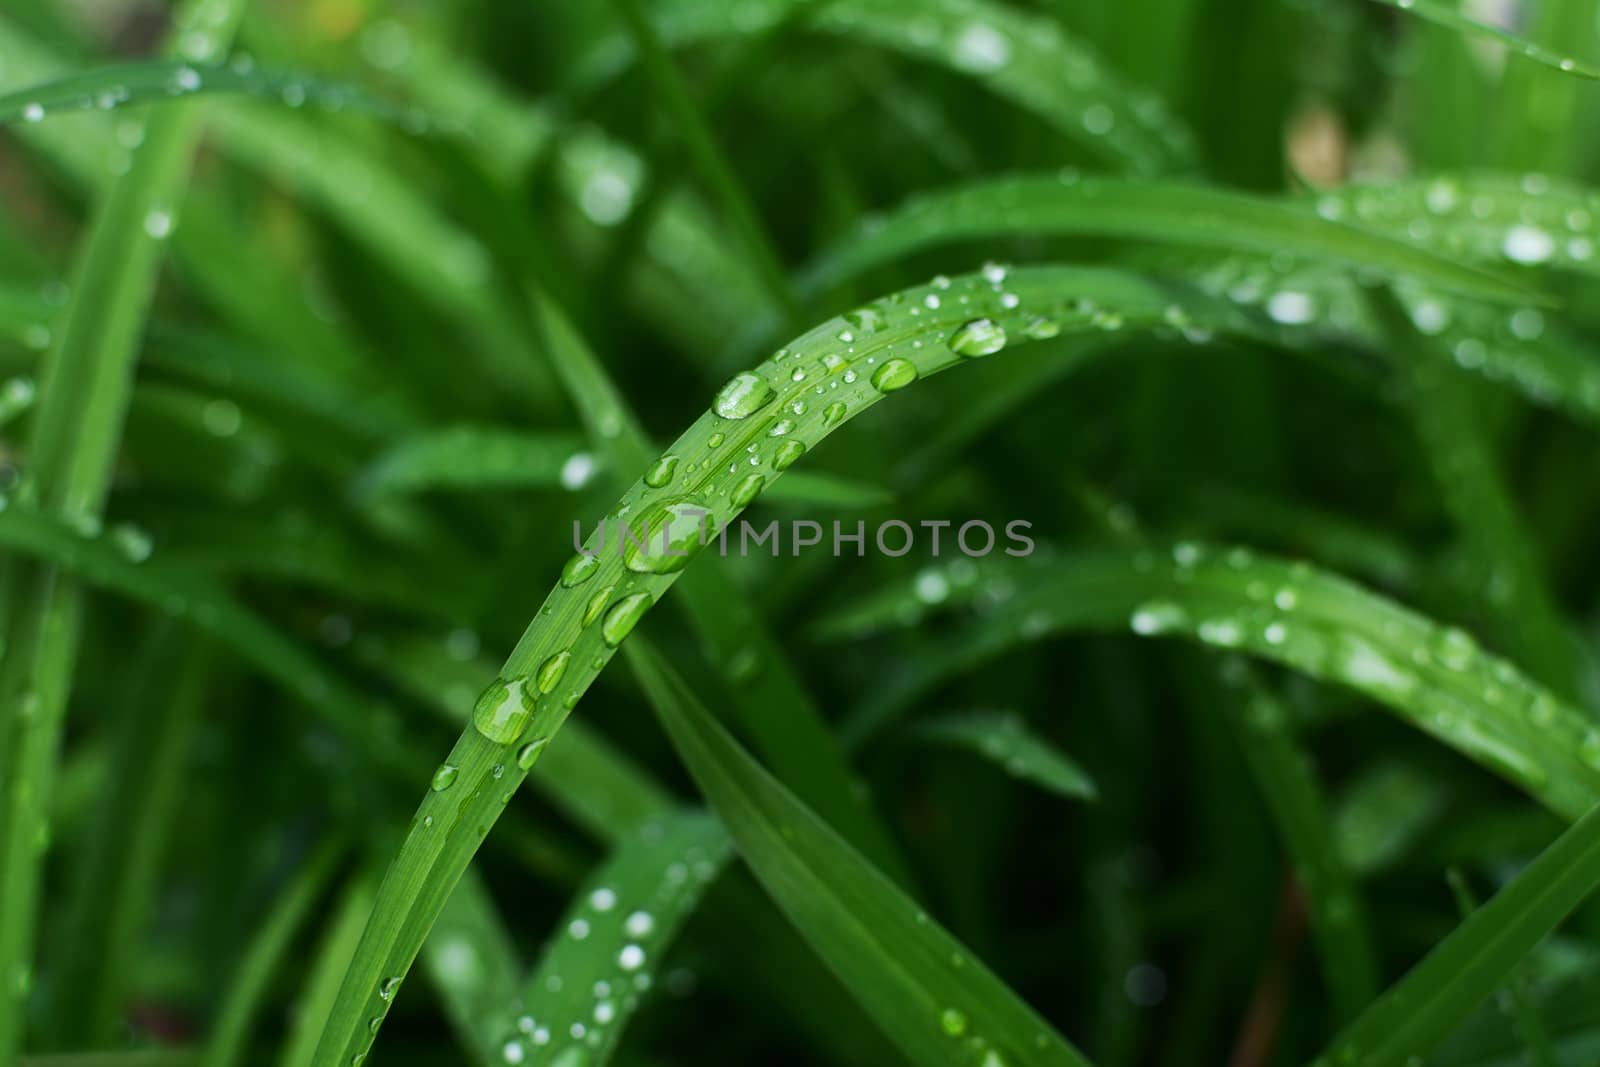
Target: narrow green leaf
927	992
1005	739
316	993
1383	812
1167	213
126	84
1436	678
473	963
605	955
1445	14
477	457
1430	1001
1019	55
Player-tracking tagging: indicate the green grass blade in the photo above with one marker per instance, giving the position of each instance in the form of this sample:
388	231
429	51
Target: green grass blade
1383	813
1448	416
1018	55
338	944
703	152
1167	213
603	960
74	437
1294	799
1516	1002
1436	678
787	726
267	950
478	457
1430	1001
155	81
1446	15
123	859
921	986
473	963
1005	739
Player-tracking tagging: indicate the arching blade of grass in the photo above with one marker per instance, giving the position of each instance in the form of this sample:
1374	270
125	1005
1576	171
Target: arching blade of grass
1430	1001
1294	799
604	957
1447	413
71	447
321	983
160	81
787	726
472	961
268	946
1436	678
1166	213
1005	739
1447	15
833	373
1021	56
935	1001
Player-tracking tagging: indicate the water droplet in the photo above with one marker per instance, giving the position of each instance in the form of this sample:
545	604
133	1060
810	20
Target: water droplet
33	112
894	374
631	958
503	711
833	413
444	777
715	440
978	337
981	48
1528	244
1157	617
781	428
603	899
953	1022
662	471
743	396
597	604
579	569
672	532
1040	328
158	224
747	490
187	79
639	924
1291	308
622	618
551	670
528	754
577	471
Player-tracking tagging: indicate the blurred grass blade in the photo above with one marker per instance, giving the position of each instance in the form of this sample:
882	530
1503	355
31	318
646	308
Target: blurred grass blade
1167	213
477	457
1430	1001
1437	678
268	947
316	992
1004	738
1021	56
159	81
921	986
472	961
1383	812
1294	799
605	955
1445	14
1516	1001
116	888
74	437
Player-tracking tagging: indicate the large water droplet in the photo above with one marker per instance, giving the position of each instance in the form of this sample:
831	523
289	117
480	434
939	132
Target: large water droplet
529	753
894	374
621	619
503	711
661	472
747	490
551	670
579	569
672	531
597	604
787	454
743	396
444	777
979	337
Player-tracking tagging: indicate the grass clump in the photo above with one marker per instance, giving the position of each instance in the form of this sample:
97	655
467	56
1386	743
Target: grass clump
330	335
